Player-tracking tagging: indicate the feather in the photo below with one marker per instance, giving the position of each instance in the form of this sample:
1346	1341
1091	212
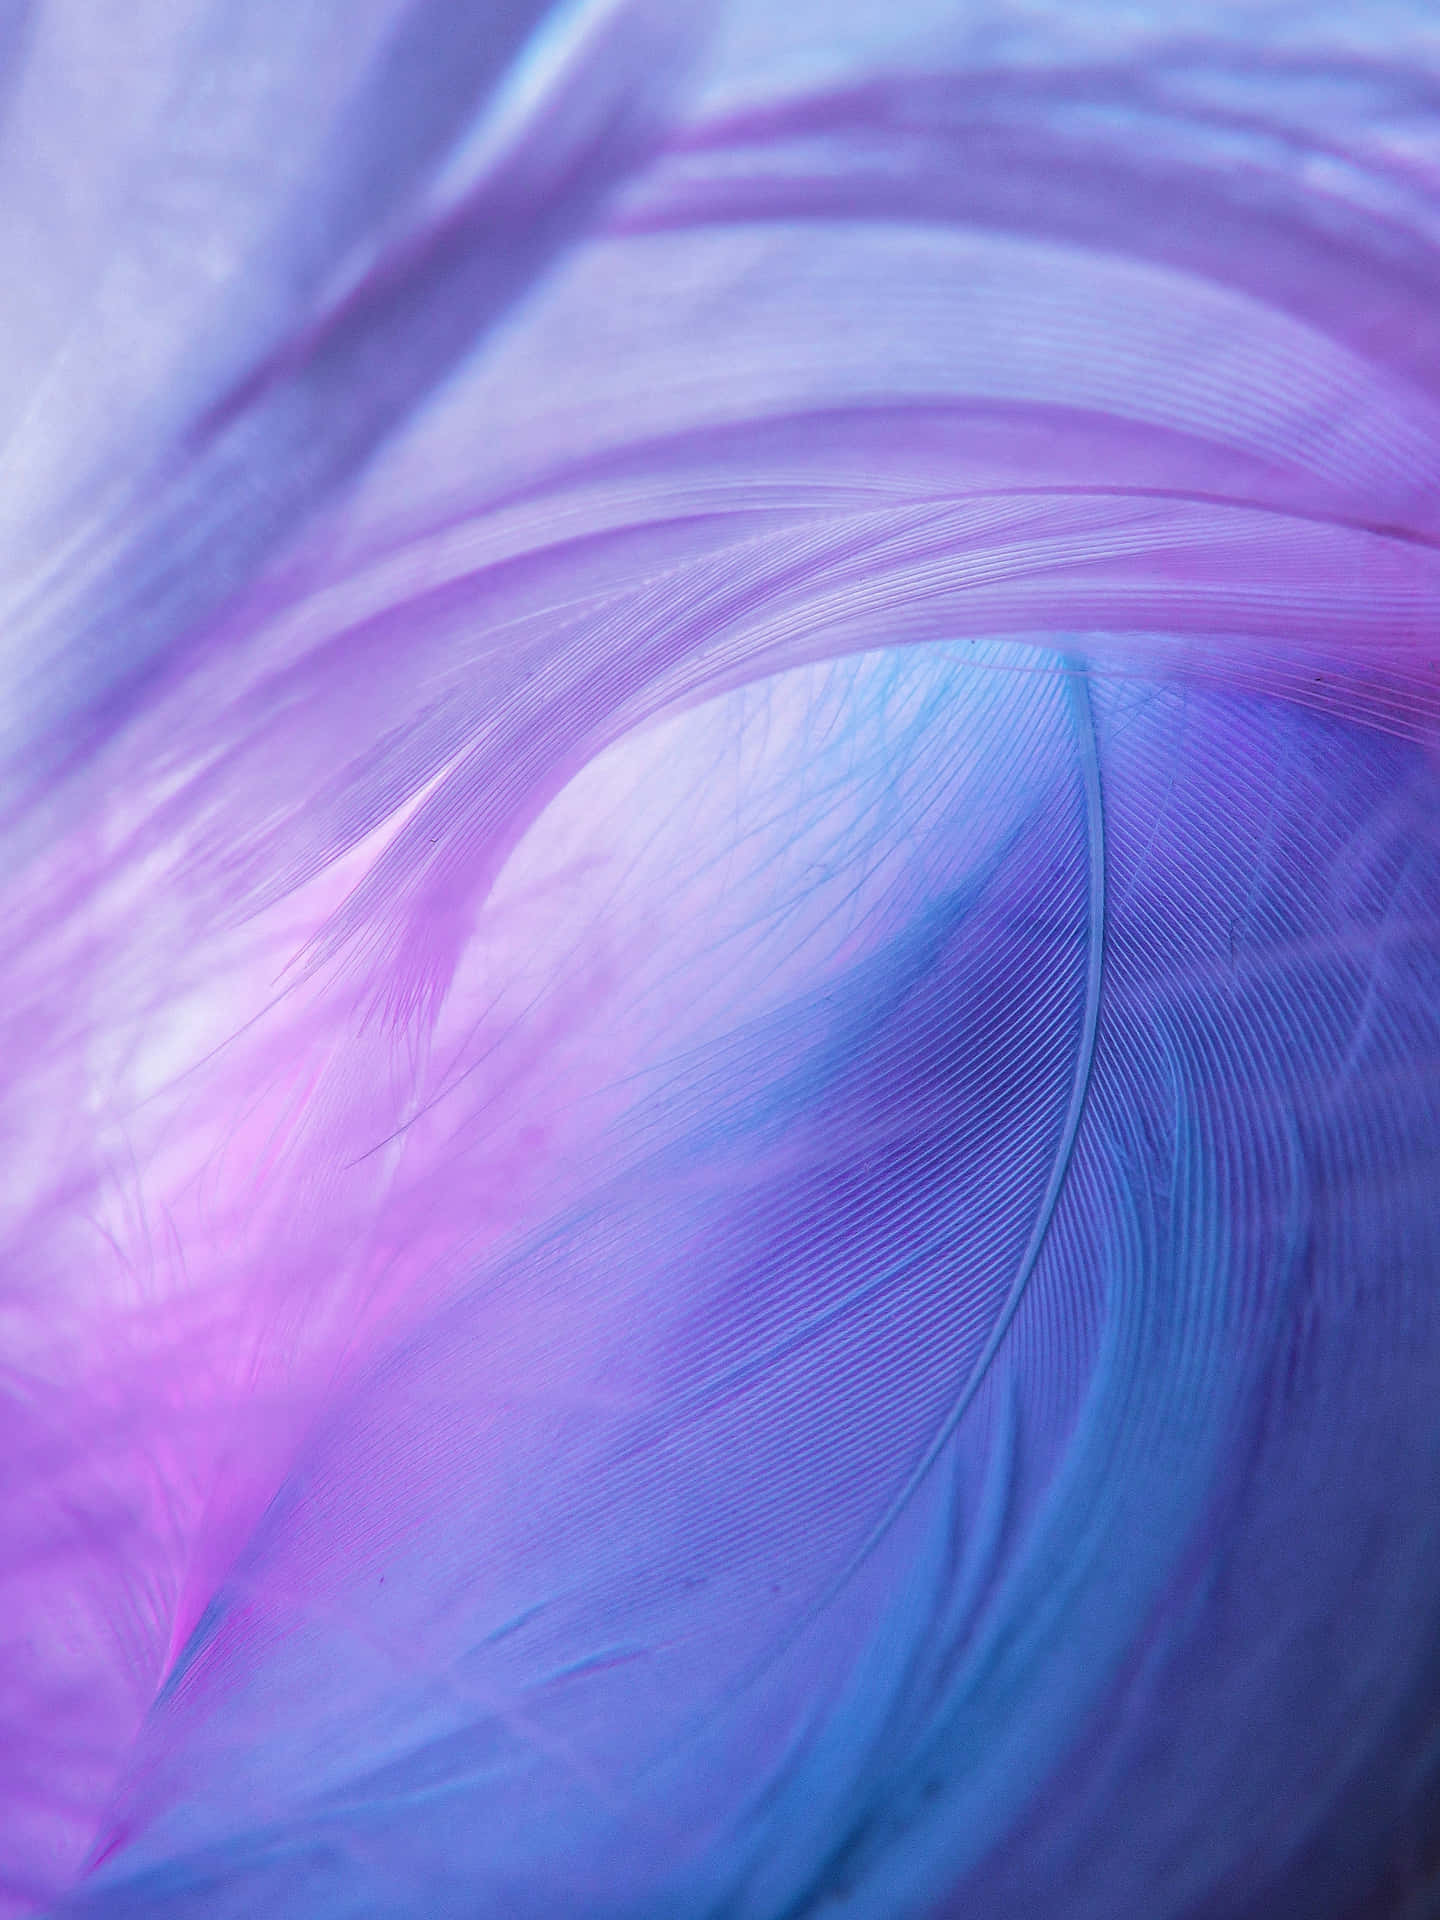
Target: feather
722	981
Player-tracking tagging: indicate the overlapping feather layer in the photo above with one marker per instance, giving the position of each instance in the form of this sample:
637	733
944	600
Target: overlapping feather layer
722	970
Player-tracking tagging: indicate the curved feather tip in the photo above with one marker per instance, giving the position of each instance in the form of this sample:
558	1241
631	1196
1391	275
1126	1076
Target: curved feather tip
721	961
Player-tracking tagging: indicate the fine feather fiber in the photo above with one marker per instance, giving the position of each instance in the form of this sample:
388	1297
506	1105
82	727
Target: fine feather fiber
721	960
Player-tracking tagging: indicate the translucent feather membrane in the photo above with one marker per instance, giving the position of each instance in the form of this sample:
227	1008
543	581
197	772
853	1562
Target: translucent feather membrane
721	981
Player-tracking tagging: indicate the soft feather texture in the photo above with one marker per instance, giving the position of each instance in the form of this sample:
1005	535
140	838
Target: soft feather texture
722	964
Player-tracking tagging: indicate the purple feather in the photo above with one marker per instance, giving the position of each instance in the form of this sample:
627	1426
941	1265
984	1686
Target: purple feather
722	964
